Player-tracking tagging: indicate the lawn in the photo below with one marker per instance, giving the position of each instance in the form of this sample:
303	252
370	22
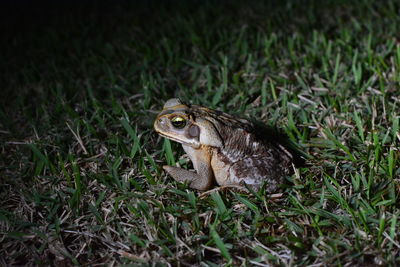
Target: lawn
81	181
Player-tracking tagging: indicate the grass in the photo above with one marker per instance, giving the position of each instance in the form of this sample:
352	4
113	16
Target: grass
81	177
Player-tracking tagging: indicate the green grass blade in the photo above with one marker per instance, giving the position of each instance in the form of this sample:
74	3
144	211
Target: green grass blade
220	244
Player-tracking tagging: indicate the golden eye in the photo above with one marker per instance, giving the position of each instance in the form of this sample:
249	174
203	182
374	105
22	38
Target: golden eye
178	122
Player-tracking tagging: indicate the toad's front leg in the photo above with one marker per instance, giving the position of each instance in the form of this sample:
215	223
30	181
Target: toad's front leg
203	178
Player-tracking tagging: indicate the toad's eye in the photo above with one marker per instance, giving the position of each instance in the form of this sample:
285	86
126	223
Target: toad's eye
178	122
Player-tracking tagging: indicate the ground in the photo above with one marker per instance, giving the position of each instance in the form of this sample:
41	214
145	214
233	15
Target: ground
80	165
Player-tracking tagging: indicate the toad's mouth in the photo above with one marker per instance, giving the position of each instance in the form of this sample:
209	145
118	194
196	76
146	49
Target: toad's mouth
194	145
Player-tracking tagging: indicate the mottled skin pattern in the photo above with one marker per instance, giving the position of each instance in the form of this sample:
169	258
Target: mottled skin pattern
224	149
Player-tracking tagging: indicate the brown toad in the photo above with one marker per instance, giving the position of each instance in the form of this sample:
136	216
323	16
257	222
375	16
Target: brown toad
223	148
